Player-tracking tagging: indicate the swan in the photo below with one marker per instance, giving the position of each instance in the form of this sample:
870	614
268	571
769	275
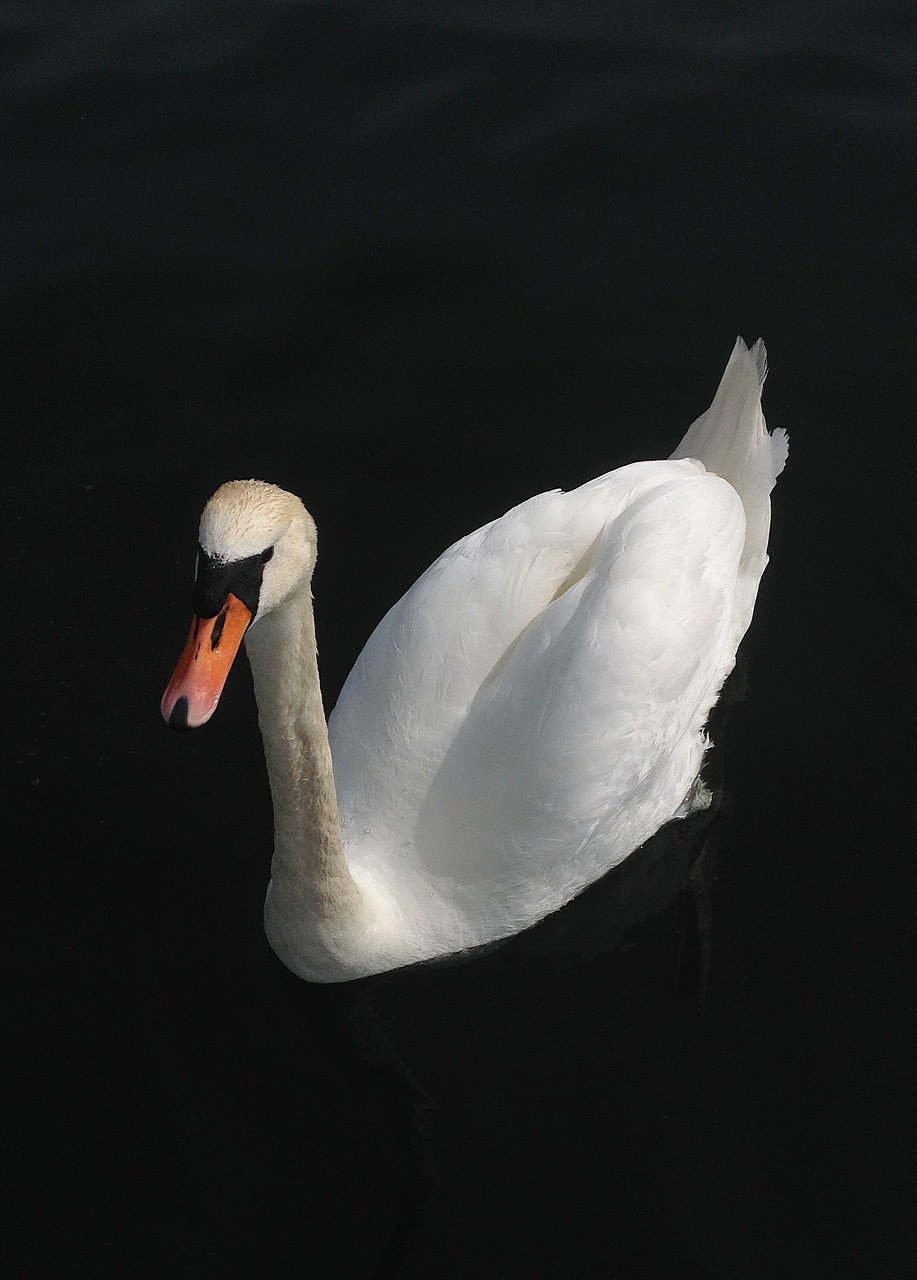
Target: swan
528	714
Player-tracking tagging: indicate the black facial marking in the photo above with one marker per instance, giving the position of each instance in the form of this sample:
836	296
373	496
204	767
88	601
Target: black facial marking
179	717
217	578
217	631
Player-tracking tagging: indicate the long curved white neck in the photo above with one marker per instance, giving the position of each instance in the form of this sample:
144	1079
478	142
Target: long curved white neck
310	877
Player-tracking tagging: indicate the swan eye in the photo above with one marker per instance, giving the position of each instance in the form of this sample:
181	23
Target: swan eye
266	555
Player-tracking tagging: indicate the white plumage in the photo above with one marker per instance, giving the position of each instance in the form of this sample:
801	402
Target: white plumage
529	713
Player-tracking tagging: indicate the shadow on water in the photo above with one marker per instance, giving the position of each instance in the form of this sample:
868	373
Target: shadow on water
648	921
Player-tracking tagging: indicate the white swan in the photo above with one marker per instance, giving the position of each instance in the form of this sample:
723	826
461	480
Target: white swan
526	716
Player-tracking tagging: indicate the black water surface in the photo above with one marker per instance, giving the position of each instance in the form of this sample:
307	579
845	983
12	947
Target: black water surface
416	263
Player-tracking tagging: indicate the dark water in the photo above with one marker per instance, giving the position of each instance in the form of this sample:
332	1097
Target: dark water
417	265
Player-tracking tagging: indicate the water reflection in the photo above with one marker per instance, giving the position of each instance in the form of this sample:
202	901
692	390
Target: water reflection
645	929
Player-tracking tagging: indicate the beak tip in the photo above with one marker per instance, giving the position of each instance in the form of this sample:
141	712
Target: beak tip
178	717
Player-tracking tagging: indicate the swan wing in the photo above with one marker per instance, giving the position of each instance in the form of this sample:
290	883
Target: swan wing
591	735
526	684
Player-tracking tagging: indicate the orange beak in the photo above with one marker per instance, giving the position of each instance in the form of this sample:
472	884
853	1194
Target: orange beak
197	682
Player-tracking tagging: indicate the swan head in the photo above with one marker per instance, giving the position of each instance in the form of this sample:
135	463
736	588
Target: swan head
257	547
252	523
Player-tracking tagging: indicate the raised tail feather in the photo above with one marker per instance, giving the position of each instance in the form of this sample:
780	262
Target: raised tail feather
732	440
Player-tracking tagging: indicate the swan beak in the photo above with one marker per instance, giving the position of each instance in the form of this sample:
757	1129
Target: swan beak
197	682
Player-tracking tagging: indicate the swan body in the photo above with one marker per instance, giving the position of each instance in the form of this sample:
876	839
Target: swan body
526	716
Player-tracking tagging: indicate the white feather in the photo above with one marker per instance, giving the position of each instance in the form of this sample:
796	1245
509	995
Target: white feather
532	710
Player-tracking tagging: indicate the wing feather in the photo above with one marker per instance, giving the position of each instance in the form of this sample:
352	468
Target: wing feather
543	678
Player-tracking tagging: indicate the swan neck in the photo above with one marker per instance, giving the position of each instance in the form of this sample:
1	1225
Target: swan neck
309	870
